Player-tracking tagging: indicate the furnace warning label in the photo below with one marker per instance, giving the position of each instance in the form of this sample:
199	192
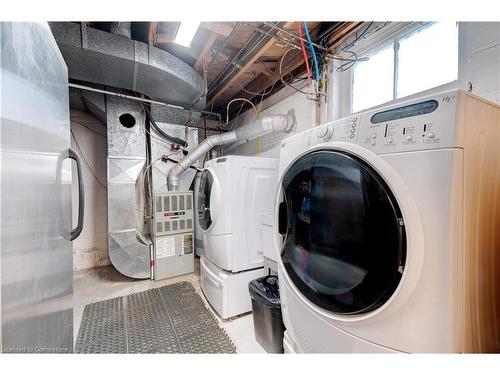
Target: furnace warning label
165	247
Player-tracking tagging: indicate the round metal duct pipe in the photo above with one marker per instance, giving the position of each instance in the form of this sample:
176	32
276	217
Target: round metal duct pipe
111	60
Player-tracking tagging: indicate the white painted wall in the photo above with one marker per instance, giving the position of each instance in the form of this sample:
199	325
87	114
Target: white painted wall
268	145
482	60
90	249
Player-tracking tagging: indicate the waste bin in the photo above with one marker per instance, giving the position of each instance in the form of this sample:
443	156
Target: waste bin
267	320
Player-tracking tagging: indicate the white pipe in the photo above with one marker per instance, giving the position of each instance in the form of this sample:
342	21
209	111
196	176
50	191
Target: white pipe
139	99
263	125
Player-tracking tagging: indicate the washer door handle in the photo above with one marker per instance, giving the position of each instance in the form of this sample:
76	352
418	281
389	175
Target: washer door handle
282	218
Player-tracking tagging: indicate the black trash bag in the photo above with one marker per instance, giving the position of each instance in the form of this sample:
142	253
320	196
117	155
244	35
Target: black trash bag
265	290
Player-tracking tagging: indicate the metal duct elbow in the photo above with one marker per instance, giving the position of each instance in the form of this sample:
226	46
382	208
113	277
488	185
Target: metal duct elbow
263	125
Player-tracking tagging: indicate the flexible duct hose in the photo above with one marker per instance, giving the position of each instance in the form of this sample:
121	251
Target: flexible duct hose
263	125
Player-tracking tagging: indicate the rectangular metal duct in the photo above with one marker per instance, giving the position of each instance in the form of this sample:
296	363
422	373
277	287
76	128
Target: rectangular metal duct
129	250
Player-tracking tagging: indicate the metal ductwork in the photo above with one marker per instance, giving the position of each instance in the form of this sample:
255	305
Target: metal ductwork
129	249
114	60
121	28
261	126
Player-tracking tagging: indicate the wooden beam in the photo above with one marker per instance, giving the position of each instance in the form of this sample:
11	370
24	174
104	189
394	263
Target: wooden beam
246	65
163	38
262	83
153	27
205	52
342	32
223	29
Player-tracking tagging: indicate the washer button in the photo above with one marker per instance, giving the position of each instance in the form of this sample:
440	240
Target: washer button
374	135
389	140
431	135
373	143
409	138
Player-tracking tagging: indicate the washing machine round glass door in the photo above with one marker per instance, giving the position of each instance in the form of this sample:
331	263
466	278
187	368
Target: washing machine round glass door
204	192
343	235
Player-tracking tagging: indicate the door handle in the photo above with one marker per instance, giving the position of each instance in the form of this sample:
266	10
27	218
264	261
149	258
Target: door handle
72	154
282	218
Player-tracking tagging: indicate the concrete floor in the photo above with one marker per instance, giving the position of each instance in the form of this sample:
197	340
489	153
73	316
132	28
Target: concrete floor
103	283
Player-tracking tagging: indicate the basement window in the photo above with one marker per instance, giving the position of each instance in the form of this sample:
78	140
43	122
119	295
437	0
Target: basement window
419	60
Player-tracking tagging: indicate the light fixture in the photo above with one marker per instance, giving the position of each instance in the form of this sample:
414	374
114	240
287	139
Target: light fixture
186	32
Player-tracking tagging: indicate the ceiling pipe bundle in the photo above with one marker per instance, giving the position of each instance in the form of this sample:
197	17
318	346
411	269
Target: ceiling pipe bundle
261	126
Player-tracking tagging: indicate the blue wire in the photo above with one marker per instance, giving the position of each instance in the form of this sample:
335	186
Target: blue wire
313	53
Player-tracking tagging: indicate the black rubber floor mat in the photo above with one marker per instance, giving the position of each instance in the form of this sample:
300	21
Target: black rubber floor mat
170	319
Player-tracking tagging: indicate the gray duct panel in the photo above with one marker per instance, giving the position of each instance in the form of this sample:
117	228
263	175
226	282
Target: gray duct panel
128	249
173	115
90	101
121	28
113	60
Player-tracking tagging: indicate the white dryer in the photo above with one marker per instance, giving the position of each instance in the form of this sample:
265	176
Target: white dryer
235	193
387	230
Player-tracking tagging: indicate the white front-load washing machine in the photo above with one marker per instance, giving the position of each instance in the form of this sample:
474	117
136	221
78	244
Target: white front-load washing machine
235	193
387	229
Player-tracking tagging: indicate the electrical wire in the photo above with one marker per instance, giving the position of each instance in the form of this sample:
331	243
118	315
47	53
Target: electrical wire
255	93
178	141
349	64
146	131
236	100
281	74
357	37
308	70
85	160
313	52
85	126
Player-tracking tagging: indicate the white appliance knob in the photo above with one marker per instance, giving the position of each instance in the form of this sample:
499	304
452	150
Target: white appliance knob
389	140
326	133
431	135
409	138
373	143
374	135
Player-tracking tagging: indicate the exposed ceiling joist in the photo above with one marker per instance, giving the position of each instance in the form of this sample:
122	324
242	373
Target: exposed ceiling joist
164	38
152	29
341	32
246	65
205	52
223	29
262	84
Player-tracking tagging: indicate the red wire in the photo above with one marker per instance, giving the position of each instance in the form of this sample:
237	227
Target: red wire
305	54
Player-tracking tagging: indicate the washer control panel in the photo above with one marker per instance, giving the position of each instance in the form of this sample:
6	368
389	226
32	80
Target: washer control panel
345	130
419	124
393	133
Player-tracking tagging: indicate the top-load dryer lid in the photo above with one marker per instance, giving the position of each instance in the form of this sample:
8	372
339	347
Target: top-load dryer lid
204	204
344	246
